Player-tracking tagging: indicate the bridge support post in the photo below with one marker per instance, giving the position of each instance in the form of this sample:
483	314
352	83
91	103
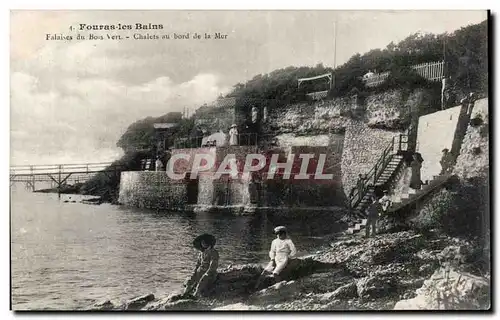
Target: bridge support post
32	179
59	184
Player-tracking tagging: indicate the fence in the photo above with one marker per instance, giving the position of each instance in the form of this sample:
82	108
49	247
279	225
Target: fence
432	71
244	139
377	79
318	95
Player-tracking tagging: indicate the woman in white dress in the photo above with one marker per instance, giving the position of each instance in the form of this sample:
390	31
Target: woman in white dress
233	136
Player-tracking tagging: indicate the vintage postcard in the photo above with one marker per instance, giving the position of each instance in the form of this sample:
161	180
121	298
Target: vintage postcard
250	160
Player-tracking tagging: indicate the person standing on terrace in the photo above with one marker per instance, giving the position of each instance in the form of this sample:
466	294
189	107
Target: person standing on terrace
158	164
233	135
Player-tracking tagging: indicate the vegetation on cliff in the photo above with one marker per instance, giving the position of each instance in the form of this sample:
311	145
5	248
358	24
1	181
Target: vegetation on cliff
138	143
465	53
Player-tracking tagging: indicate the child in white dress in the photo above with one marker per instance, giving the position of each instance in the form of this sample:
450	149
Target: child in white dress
282	249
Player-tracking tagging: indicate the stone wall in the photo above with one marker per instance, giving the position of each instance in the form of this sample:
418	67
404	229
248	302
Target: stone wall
150	189
363	146
435	133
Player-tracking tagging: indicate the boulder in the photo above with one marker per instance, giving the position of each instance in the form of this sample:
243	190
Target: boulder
237	281
281	291
346	291
325	281
103	305
375	287
139	302
240	281
448	289
360	255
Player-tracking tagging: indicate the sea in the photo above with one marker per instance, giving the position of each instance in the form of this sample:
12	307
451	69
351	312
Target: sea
67	255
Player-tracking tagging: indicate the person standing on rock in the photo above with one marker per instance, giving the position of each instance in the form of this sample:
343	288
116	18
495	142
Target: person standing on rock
372	217
205	272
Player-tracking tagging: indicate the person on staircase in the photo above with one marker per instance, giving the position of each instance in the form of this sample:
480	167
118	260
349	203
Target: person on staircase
372	215
446	162
416	167
359	186
385	202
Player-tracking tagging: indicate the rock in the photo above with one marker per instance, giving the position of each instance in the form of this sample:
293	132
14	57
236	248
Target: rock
178	305
344	292
448	289
359	255
281	291
139	302
237	306
325	281
427	255
240	281
427	268
455	254
411	283
375	286
237	281
103	305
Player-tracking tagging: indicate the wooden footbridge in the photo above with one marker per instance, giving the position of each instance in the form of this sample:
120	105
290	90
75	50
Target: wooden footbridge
59	175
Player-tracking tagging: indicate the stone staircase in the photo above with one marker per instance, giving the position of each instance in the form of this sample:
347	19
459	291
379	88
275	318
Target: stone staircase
358	226
415	195
384	179
406	200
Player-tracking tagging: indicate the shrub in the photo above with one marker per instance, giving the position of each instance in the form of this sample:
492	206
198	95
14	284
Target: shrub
462	211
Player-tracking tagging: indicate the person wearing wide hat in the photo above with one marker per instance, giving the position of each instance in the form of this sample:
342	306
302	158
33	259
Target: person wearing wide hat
205	272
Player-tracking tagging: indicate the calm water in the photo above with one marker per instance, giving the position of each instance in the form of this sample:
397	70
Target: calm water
70	255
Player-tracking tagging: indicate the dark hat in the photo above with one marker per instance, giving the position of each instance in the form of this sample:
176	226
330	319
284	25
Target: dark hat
208	238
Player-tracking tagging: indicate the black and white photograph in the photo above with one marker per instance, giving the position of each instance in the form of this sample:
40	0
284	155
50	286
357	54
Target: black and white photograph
250	160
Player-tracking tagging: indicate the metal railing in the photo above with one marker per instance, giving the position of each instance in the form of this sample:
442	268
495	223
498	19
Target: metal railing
43	169
243	139
370	178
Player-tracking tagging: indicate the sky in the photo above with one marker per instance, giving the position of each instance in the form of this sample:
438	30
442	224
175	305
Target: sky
72	100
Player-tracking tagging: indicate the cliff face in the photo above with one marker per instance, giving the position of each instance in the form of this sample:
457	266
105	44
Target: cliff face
367	125
473	160
389	110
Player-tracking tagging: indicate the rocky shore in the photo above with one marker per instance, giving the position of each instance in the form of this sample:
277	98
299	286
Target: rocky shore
400	270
